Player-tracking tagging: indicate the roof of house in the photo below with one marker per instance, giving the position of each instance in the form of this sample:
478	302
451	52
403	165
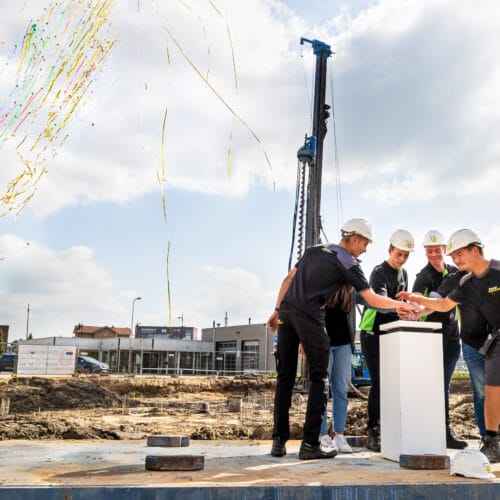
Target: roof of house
89	329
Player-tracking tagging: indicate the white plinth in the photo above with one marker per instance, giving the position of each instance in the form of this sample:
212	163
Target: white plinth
412	416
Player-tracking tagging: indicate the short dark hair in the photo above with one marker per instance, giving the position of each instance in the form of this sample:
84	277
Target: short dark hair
470	246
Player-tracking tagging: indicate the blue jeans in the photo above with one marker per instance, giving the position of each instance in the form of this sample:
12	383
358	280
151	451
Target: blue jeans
475	364
339	370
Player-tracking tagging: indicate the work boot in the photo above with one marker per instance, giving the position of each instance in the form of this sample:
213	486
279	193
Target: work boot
311	452
278	449
454	443
373	439
490	448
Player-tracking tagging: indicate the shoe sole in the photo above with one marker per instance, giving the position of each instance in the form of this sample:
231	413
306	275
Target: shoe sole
279	454
316	456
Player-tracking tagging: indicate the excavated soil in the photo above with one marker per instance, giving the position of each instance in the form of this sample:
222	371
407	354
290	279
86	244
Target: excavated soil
92	407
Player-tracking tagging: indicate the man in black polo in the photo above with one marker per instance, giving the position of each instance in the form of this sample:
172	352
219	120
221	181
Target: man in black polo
300	313
428	280
481	288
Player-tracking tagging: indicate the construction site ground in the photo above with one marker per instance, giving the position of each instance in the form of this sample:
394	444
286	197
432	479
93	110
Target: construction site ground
90	432
201	408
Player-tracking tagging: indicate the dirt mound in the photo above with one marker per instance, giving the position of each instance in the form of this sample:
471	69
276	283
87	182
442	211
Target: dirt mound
92	407
41	394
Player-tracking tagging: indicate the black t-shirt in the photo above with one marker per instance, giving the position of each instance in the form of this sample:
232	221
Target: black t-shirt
386	281
473	325
321	271
429	280
482	291
337	326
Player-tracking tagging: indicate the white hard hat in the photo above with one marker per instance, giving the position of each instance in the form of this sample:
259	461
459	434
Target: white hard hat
357	226
433	237
403	240
461	239
471	463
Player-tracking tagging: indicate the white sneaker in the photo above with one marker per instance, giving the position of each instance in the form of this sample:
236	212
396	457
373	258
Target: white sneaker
327	442
341	444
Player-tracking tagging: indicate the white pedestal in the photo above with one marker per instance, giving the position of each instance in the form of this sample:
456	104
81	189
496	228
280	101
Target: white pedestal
412	416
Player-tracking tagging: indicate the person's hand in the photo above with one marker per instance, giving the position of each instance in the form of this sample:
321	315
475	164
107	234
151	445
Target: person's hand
404	296
411	316
407	308
272	322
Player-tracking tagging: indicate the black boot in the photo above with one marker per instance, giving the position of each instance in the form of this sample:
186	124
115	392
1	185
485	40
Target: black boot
278	449
373	439
491	448
454	443
311	452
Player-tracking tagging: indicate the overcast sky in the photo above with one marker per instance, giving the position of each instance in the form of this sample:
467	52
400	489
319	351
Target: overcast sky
416	87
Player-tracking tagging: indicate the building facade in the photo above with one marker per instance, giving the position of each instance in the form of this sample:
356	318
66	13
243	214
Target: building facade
228	350
166	332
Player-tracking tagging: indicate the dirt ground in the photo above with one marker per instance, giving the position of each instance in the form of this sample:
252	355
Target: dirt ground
115	407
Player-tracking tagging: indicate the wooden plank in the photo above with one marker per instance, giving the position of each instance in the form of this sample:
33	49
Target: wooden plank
175	462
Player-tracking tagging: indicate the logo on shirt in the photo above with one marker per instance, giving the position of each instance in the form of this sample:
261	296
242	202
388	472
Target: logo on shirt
494	289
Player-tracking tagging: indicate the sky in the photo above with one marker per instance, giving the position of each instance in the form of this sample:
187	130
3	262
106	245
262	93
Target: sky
415	87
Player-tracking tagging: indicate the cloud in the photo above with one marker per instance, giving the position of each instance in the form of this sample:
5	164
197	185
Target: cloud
235	291
419	80
62	288
414	80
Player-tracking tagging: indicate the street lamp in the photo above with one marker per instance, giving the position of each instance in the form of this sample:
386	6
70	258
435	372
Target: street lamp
131	335
181	317
132	320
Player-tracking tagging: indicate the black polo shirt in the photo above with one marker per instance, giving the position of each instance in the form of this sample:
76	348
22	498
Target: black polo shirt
473	325
429	280
321	271
385	281
482	291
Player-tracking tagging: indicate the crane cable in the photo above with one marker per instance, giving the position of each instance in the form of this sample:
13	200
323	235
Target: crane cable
338	187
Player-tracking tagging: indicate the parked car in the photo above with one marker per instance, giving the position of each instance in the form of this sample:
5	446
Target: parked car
87	364
7	362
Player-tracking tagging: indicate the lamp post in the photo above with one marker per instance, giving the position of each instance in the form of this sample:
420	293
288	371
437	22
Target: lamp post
131	335
132	320
181	317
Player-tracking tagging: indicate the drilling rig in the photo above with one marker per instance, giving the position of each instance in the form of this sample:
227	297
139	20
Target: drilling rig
309	171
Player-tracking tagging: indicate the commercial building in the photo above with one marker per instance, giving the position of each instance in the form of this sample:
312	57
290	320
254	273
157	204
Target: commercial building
224	350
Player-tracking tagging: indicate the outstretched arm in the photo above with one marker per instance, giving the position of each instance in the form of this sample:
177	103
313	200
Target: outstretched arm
379	301
434	304
272	322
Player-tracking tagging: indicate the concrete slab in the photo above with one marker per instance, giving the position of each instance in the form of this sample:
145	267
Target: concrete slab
233	469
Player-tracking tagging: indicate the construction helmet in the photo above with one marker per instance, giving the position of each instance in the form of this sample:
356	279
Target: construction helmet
359	227
433	237
461	239
403	240
471	463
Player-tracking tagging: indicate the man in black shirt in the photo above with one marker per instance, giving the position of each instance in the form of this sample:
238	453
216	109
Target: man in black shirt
481	288
387	279
473	332
428	280
300	314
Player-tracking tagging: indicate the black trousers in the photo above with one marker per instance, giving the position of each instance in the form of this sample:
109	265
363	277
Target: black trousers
296	328
370	346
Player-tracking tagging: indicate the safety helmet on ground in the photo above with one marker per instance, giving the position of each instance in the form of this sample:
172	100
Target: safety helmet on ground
403	240
359	227
471	463
433	237
461	239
